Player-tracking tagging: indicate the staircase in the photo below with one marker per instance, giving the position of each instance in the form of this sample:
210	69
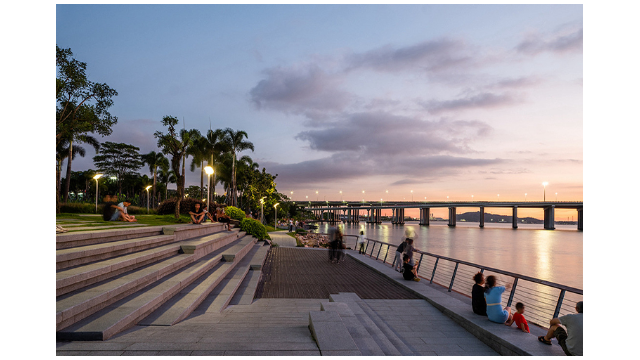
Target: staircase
346	325
108	281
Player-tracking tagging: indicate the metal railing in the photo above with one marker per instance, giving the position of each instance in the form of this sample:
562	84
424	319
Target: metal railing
543	300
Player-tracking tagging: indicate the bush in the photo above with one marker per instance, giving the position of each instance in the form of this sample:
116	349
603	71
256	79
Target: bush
139	210
255	228
80	208
301	231
168	207
234	212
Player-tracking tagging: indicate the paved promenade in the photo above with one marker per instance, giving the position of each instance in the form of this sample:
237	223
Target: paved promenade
423	321
282	239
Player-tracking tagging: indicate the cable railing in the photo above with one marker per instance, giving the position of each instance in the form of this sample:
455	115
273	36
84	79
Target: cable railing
543	299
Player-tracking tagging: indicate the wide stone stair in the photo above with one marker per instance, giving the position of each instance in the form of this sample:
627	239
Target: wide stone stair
347	326
108	281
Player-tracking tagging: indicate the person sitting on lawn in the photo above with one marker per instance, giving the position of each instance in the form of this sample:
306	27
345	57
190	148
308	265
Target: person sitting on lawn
119	212
125	214
519	319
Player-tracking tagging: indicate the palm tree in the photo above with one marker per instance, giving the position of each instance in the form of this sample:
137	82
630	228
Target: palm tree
199	154
166	176
155	160
235	143
214	147
176	144
80	138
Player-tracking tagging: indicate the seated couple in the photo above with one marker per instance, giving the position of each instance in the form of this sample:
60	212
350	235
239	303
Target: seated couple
200	215
113	212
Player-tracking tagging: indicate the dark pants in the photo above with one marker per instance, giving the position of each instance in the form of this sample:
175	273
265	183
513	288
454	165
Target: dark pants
361	249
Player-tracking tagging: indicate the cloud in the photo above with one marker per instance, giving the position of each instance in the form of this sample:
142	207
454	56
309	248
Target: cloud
344	167
482	100
516	83
431	56
561	42
385	134
306	89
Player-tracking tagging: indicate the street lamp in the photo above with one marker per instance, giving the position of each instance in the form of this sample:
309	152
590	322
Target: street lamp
556	196
275	224
340	195
96	177
316	195
544	184
147	188
262	210
411	195
209	170
525	196
471	197
292	195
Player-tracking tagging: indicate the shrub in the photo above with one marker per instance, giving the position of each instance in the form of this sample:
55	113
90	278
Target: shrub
234	212
301	231
80	208
255	228
139	210
168	207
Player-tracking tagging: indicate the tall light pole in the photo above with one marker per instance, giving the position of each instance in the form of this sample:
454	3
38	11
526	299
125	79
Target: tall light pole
544	194
262	210
147	188
316	195
525	196
96	177
209	170
340	195
411	195
275	207
292	195
556	196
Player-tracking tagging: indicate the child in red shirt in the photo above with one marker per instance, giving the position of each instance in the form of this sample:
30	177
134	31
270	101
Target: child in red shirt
519	319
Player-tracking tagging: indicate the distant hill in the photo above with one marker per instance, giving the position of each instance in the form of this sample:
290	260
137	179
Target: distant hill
494	218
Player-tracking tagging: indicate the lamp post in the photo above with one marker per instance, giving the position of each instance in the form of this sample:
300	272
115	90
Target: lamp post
275	215
340	195
96	177
316	195
544	194
262	210
147	188
556	197
412	195
525	196
209	170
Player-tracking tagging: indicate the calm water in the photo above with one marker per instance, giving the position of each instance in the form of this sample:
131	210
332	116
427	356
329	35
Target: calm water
552	255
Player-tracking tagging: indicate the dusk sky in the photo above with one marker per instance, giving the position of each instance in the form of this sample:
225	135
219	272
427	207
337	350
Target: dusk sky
444	100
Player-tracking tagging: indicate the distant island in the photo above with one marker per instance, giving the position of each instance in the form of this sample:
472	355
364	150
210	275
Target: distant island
494	218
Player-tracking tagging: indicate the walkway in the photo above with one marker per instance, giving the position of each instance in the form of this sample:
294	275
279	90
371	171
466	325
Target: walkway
282	239
430	321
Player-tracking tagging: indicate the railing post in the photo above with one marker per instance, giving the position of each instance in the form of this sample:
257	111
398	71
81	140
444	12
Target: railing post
372	248
513	291
453	276
366	247
385	255
434	270
419	263
560	298
482	271
379	251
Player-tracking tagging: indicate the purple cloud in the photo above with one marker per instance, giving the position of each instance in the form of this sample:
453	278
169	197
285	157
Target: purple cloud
562	42
482	100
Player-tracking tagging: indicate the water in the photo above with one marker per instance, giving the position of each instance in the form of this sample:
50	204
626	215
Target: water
552	255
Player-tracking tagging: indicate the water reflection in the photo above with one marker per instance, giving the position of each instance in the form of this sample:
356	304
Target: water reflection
553	255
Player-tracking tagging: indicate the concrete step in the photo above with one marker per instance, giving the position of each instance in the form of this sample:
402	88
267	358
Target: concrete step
247	289
362	337
203	245
386	340
127	311
70	279
84	238
182	305
75	278
92	237
66	258
331	334
82	302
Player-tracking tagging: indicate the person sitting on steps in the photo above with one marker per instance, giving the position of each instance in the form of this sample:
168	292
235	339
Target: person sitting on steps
198	215
409	272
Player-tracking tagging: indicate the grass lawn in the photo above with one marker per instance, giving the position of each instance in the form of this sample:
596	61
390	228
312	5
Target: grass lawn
272	229
96	221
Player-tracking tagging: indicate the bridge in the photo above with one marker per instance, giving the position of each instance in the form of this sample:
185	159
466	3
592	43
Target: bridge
353	210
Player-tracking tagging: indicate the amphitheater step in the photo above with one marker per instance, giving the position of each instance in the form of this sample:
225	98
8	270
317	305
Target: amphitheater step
206	244
74	278
84	238
247	289
331	334
66	258
127	311
384	337
361	333
182	305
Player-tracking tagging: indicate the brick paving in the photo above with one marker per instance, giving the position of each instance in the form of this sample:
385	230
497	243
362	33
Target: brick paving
308	274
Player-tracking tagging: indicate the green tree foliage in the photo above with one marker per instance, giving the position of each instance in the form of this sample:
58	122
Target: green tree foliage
255	228
119	160
81	106
235	143
176	143
234	212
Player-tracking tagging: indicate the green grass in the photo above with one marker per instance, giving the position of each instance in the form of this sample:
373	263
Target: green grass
272	229
151	220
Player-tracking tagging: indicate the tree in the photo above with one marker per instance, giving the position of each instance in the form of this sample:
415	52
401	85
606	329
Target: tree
199	154
81	106
214	147
119	160
155	160
63	149
235	143
176	144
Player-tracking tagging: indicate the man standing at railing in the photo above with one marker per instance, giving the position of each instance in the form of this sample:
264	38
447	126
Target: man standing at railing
399	251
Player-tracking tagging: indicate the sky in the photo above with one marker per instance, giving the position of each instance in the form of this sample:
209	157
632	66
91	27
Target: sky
469	102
